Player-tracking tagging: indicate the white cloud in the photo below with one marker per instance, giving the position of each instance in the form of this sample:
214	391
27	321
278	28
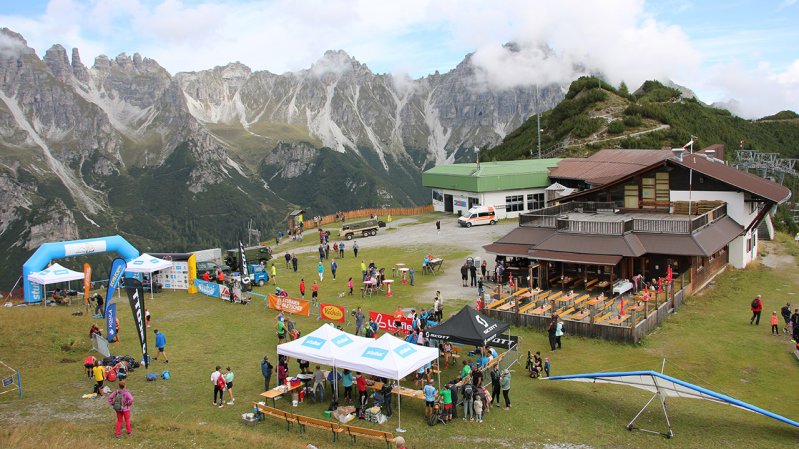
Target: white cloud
622	39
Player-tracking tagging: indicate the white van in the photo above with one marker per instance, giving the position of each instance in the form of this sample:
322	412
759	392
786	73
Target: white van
478	215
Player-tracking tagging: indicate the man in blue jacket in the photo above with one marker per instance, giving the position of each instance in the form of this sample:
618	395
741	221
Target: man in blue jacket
266	371
160	343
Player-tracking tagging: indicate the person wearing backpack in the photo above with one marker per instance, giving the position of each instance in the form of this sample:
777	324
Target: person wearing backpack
757	307
468	401
266	371
121	400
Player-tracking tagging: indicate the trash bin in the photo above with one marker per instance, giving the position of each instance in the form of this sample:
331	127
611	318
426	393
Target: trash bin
295	399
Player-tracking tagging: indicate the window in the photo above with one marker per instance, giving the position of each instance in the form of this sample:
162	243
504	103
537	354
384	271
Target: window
535	201
514	203
437	196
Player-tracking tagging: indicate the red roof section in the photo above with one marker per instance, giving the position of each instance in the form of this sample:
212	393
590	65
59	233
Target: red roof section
607	166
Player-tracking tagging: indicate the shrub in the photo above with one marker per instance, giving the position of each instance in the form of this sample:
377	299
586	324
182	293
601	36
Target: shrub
632	120
616	127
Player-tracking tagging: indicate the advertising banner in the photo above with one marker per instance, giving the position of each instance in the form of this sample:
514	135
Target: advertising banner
114	276
385	322
332	312
87	281
290	305
212	289
136	298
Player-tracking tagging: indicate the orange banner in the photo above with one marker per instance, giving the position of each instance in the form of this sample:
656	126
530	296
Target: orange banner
87	281
332	312
290	305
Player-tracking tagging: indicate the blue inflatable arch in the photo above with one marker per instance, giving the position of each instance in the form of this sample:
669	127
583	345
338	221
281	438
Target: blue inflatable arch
57	250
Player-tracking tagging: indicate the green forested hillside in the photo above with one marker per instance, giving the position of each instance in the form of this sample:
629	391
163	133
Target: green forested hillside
595	115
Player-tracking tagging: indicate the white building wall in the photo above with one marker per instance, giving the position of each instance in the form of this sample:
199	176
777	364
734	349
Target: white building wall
739	210
460	201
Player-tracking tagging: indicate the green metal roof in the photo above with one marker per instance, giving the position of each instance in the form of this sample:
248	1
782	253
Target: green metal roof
492	176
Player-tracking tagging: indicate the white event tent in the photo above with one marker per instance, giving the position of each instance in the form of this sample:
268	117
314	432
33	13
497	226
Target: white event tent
52	275
392	358
147	264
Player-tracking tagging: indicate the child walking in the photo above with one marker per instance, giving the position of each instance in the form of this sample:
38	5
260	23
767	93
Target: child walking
478	408
775	321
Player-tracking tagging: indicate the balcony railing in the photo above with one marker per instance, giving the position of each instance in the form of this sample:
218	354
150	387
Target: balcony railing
557	217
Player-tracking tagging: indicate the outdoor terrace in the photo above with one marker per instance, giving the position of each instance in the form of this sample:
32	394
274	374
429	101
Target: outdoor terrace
610	219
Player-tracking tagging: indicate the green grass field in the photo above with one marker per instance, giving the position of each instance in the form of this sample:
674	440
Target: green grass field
708	342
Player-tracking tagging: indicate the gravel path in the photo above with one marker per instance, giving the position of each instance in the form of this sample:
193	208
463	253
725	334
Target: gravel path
452	237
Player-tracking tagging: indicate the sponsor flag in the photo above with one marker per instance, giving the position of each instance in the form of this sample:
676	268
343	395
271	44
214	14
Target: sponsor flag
290	305
332	312
135	291
387	322
114	276
87	281
243	269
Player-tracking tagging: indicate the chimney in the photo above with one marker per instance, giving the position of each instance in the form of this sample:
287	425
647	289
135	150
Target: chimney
678	152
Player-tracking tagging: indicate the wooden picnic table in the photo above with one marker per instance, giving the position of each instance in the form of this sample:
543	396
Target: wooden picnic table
566	298
279	391
507	306
618	320
595	301
579	316
402	391
603	284
541	309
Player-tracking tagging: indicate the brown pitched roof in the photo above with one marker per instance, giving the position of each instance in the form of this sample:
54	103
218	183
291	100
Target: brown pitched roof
748	182
606	166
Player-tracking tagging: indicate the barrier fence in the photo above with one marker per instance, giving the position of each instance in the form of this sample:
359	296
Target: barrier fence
363	213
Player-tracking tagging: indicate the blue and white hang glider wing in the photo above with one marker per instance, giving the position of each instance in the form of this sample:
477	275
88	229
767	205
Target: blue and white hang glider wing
667	386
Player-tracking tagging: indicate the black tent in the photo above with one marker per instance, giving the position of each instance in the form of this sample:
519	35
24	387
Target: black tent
468	327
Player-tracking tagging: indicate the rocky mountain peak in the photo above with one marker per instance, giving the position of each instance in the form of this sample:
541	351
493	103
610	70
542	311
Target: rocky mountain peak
337	62
13	44
78	69
56	60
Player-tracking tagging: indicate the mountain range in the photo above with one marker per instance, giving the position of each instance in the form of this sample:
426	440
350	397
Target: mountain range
186	161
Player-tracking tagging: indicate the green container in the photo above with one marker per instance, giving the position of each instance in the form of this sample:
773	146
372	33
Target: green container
328	413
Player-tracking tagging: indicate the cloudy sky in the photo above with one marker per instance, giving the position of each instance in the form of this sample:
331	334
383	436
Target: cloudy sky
736	49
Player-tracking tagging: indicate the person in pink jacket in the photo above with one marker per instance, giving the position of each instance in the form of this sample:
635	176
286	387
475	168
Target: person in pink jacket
123	409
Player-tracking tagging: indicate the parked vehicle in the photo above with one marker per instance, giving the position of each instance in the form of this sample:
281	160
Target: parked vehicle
478	215
258	274
211	268
362	228
254	254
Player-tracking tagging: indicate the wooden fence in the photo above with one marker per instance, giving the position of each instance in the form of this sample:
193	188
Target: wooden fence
363	213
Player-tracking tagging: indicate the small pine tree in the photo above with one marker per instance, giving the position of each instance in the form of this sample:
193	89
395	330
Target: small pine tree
623	90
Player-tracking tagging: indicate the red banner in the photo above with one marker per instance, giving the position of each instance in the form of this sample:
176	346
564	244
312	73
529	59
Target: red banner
332	312
87	281
385	322
290	305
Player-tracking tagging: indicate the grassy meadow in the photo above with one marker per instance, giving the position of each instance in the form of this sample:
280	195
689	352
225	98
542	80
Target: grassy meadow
708	342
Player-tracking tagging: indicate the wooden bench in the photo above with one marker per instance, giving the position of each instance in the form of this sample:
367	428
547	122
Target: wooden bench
590	285
581	299
602	318
575	283
333	427
277	413
618	321
527	307
604	306
355	432
554	296
564	311
496	303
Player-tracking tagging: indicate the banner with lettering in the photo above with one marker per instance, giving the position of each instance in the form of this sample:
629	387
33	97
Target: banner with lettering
212	289
332	312
290	305
385	322
87	281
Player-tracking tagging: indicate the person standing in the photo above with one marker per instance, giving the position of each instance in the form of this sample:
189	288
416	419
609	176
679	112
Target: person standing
320	269
99	376
282	372
757	308
786	316
553	324
147	316
288	260
473	275
266	371
386	392
410	275
294	262
363	269
333	268
314	292
558	333
274	274
229	385
121	407
360	382
355	249
429	398
795	323
437	307
468	401
160	343
327	250
98	309
341	250
438	226
321	252
464	274
302	288
495	387
219	389
350	285
504	381
359	321
483	268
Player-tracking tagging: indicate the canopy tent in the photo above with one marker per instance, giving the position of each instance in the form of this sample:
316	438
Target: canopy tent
666	386
468	327
392	358
326	345
54	274
147	264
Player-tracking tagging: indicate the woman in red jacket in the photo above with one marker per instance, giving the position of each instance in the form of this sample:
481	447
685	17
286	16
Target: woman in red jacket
757	307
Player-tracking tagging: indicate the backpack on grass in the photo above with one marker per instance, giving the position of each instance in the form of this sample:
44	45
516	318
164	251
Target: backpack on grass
150	377
165	375
118	401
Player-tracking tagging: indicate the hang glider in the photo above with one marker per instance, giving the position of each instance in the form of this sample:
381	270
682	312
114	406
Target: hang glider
663	387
